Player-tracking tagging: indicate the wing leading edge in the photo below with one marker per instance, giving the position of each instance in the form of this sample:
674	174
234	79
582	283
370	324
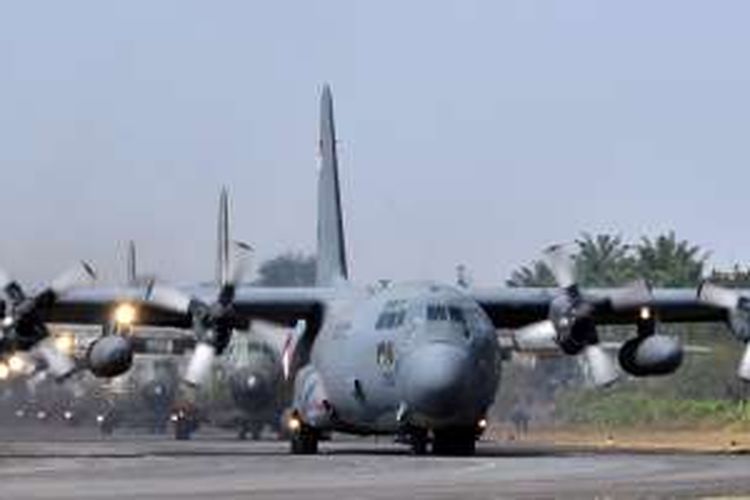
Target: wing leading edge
97	305
516	307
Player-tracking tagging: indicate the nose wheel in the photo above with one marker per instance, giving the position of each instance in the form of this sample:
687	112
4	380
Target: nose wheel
305	440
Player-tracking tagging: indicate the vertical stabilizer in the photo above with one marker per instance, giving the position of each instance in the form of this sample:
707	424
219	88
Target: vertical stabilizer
222	240
131	266
331	266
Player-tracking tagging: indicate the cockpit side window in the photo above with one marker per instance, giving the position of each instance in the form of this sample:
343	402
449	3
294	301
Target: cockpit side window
457	315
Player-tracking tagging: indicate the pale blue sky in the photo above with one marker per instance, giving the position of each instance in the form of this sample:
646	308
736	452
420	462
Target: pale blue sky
473	132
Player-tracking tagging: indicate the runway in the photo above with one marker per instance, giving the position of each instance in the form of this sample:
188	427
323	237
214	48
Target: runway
220	468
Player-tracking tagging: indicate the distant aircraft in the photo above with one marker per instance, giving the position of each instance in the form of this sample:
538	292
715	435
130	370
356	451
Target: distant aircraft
419	360
253	368
253	364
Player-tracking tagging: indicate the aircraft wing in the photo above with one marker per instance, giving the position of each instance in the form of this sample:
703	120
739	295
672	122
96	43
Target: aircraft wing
97	305
516	307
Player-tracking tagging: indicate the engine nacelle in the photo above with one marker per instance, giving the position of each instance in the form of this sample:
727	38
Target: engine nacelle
653	355
110	356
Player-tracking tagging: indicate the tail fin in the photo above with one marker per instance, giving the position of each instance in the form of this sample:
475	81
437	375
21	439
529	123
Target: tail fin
222	239
131	266
331	265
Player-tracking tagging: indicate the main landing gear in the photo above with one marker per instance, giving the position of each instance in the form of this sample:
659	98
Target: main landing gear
451	441
456	441
255	429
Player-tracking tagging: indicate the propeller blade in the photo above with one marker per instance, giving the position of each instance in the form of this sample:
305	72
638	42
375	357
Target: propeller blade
79	275
240	262
539	336
718	296
59	364
601	365
634	294
200	364
169	298
561	265
237	271
5	279
743	370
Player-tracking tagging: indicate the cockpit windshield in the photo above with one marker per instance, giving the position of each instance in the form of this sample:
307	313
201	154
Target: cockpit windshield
440	312
390	319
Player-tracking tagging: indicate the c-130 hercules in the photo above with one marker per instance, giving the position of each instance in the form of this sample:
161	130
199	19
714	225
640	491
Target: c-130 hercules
420	360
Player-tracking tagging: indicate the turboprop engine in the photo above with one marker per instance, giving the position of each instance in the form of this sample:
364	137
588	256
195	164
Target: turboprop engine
571	325
655	354
737	307
110	355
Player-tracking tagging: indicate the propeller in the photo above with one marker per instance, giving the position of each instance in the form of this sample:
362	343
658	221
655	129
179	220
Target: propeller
212	323
22	326
571	317
738	309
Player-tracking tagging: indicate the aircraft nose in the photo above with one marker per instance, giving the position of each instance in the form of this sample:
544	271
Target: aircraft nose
250	389
436	380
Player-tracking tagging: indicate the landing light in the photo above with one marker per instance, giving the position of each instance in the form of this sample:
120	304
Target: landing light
16	363
645	313
125	314
100	419
482	424
65	342
294	424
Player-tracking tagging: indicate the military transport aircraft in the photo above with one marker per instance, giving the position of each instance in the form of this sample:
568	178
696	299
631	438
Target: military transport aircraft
415	359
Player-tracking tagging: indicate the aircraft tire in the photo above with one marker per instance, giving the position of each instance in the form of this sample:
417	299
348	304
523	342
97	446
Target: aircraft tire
305	441
256	431
418	441
182	431
454	442
242	434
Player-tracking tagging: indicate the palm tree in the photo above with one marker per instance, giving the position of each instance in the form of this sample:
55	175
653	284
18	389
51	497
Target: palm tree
665	261
604	260
537	274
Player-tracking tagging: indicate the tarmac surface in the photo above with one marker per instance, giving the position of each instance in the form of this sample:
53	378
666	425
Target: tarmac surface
80	465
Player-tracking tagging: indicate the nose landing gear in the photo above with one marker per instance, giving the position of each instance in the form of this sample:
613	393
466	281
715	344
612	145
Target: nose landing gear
304	438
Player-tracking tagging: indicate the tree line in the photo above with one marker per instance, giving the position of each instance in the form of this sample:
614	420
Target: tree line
605	260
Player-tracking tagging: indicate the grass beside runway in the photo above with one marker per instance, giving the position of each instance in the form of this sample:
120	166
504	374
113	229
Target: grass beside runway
696	439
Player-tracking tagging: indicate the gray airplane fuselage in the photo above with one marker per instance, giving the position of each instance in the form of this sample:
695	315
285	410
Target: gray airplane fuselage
420	355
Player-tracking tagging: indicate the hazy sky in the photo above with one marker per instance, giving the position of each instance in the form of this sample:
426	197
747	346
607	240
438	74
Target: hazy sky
473	132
